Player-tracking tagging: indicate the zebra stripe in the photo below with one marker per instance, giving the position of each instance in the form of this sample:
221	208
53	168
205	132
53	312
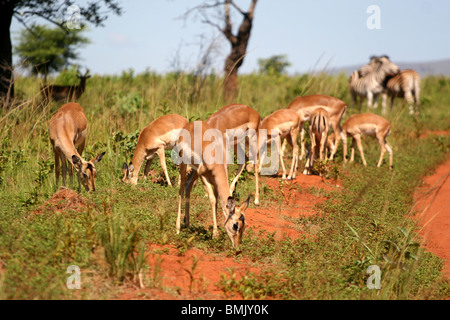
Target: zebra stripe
404	85
368	81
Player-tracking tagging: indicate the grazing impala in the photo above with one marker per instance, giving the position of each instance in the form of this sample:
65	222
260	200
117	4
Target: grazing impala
214	177
237	121
283	123
160	135
306	105
318	132
67	131
367	124
67	93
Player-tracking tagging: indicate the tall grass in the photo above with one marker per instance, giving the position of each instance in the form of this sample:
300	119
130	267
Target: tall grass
365	224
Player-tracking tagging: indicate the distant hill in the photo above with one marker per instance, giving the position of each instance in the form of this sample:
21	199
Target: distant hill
432	68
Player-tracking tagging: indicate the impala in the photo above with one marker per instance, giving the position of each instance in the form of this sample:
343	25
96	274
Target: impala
67	131
283	123
305	105
367	124
160	135
237	121
318	132
214	176
60	93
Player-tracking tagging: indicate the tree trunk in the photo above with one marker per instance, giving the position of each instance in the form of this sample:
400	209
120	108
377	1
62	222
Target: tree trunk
239	45
230	87
233	63
6	67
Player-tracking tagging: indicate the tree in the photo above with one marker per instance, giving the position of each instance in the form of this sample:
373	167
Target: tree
238	40
274	65
48	49
54	11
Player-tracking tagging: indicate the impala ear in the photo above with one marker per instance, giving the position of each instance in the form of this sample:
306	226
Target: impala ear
124	166
77	162
231	204
131	167
98	158
244	205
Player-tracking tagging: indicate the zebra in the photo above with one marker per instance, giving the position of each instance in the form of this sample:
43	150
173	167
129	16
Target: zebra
406	85
368	81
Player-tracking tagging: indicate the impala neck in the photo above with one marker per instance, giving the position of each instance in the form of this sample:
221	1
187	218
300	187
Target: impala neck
220	181
138	158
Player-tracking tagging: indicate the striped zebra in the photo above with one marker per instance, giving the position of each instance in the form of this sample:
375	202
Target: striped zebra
368	81
404	85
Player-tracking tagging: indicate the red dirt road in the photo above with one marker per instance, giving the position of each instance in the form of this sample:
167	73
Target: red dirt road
433	205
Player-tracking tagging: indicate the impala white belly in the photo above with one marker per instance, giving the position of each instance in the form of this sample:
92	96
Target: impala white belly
170	138
284	128
368	129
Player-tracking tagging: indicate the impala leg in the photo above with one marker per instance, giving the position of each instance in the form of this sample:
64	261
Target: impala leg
323	144
352	155
80	149
383	150
57	169
64	168
360	148
344	142
283	147
338	135
310	157
212	195
391	154
281	156
302	141
190	183
162	159
293	139
181	194
148	165
240	169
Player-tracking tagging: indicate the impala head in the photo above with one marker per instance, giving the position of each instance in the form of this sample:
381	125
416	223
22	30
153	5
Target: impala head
86	170
235	224
129	176
83	77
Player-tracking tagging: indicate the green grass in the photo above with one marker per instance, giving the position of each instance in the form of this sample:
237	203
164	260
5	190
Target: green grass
366	224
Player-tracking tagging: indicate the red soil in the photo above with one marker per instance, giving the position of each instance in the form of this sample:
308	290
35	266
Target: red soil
63	200
433	206
175	268
297	198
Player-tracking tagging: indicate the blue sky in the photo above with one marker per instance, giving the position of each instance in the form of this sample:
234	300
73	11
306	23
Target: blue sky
313	34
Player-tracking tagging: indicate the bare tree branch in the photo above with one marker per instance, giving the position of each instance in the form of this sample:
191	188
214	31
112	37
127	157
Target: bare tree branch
251	10
236	7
